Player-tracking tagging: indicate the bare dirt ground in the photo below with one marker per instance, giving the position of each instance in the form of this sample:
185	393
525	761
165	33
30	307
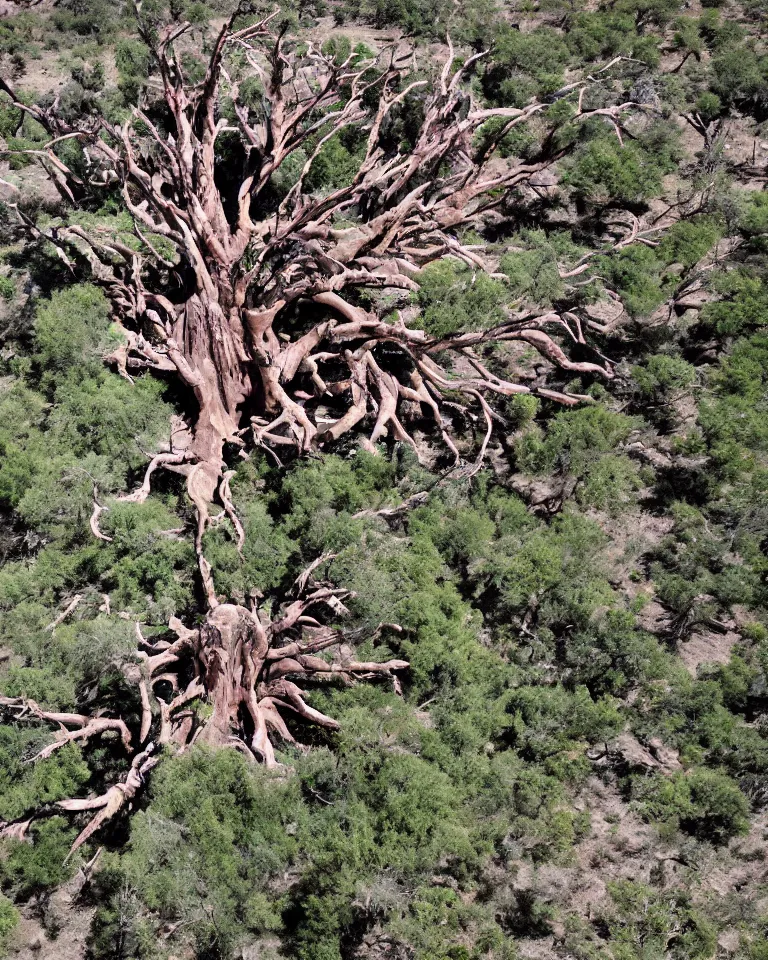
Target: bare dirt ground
58	930
327	29
705	647
621	847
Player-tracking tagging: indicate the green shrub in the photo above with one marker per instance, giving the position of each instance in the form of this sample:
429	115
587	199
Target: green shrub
71	328
604	171
33	868
739	75
744	303
86	17
574	442
643	921
454	299
337	162
661	381
705	803
688	242
9	919
534	272
10	118
525	65
661	378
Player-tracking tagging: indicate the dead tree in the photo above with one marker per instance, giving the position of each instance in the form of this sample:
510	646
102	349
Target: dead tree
248	665
211	289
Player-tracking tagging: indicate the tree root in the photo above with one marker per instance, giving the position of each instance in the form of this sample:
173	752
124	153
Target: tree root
111	802
65	613
98	509
83	727
167	460
248	667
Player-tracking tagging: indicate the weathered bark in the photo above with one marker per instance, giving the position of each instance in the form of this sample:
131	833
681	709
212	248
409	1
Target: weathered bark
232	651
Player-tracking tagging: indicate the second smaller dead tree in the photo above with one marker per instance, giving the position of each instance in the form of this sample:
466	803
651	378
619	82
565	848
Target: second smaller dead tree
252	669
